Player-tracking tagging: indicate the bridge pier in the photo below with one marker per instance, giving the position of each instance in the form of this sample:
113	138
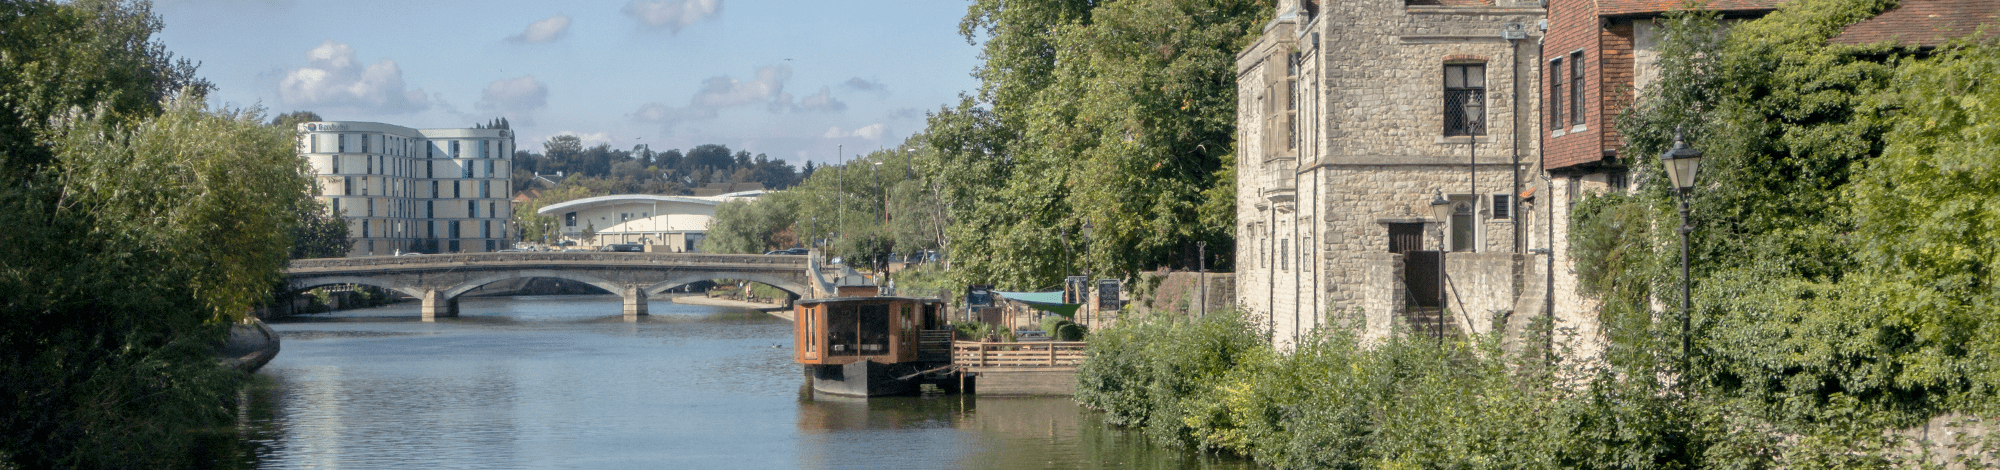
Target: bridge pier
635	300
437	306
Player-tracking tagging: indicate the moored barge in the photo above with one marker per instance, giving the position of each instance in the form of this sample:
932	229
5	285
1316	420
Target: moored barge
873	346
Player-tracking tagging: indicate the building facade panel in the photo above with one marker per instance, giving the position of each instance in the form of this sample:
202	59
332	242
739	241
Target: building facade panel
385	180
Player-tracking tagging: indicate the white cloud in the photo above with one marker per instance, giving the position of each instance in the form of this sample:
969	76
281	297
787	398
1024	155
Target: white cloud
515	98
870	132
334	80
672	14
822	101
545	30
860	84
766	89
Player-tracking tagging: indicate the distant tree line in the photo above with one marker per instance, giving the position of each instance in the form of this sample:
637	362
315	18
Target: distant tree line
641	170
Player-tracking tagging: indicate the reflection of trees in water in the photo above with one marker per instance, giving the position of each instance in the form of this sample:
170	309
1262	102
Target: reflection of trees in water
995	433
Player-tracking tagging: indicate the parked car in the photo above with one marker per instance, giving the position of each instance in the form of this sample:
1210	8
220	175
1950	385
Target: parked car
626	247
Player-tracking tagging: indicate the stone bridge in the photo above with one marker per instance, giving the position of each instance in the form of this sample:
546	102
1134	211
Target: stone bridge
438	280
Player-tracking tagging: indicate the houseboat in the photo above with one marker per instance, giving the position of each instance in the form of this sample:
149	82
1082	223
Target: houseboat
873	346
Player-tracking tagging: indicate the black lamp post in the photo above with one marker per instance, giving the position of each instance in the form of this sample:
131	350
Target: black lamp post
1441	209
1682	162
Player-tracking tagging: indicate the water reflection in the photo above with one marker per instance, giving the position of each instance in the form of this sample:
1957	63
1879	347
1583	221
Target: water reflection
568	382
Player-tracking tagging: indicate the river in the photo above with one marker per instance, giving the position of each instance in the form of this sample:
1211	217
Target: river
566	382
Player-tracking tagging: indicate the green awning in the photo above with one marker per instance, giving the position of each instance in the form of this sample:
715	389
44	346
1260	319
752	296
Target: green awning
1045	301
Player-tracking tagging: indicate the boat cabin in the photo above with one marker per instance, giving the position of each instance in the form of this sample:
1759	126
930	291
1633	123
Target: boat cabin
888	330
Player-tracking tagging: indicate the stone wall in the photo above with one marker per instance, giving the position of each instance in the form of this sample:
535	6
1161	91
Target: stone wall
1312	233
1480	287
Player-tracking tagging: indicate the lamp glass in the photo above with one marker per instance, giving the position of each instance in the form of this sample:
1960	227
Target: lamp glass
1440	208
1684	169
1681	163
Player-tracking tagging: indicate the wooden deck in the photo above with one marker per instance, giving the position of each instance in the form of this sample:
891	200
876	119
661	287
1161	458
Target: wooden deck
974	356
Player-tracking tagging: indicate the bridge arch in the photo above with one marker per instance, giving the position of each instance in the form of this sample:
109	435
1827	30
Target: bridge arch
779	282
300	284
474	283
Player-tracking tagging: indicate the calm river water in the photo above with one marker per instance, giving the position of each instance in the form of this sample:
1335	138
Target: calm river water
566	382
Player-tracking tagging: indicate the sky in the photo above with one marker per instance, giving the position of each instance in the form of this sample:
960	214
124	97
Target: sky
795	80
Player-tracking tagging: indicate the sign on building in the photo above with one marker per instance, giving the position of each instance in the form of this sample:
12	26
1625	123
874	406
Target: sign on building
1107	295
978	296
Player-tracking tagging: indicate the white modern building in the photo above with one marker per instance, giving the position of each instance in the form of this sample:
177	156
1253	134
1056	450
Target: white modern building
662	223
421	190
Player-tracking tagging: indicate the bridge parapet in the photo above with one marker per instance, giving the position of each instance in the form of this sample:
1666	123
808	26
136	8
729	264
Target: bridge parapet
439	279
585	258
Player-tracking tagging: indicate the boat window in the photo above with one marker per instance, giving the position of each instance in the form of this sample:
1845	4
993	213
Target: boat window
873	329
842	328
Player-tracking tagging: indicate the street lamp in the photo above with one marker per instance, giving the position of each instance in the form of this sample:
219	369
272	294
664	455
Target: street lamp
1441	210
1682	162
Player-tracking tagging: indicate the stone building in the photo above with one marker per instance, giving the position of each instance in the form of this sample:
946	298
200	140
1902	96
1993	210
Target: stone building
1353	118
412	190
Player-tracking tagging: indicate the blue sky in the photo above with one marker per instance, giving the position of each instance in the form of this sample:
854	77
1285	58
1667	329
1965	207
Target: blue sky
791	79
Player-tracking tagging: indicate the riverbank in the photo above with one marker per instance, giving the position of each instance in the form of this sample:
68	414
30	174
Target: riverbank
776	310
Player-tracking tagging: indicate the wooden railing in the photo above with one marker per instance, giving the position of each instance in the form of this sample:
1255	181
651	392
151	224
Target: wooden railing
1034	354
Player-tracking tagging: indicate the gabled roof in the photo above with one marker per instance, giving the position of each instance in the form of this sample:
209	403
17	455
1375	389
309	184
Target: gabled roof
1925	23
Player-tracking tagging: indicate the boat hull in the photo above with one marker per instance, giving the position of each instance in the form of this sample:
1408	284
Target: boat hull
865	378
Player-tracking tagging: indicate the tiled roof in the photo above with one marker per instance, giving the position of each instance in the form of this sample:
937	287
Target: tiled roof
1637	7
1924	22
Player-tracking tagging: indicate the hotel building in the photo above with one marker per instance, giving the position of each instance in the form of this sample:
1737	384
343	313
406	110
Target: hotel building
421	190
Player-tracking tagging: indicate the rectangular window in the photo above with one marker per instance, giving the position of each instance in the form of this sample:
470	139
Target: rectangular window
430	169
464	169
342	138
1556	95
371	206
484	149
454	149
454	246
364	143
1462	222
1503	206
431	229
1306	254
490	212
434	189
454	229
489	168
430	150
485	188
454	189
336	164
369	167
569	219
336	207
1576	88
364	229
1464	99
1285	254
485	230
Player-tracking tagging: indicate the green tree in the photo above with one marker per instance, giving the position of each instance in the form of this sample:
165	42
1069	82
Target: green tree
133	237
